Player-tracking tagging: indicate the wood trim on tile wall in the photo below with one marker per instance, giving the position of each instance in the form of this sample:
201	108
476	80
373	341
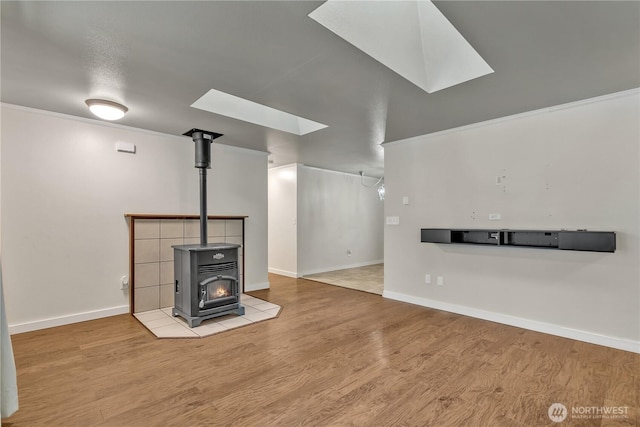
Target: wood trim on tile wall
132	234
181	216
130	218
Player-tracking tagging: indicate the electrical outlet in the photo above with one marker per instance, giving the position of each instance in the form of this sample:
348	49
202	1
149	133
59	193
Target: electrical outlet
494	217
440	281
427	279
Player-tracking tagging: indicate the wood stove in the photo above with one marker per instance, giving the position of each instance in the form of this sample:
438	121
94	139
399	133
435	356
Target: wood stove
206	274
206	282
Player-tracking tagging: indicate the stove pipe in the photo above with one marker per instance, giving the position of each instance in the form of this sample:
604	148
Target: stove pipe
202	140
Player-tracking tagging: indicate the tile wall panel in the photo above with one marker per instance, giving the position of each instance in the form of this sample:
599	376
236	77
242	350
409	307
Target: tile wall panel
171	228
166	296
147	274
166	273
147	229
216	227
152	282
191	228
233	228
147	250
166	248
147	298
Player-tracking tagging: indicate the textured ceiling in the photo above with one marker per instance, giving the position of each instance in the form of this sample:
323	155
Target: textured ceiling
159	57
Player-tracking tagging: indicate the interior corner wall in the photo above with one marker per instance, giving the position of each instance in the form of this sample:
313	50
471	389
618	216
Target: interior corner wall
0	200
65	190
340	221
283	229
573	167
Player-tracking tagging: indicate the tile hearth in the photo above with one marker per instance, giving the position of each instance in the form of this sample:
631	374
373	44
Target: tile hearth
162	324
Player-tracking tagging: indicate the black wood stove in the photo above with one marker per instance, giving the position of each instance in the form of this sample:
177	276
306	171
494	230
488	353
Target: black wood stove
206	274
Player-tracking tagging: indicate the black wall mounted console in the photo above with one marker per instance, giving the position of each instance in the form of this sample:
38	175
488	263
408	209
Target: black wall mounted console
579	240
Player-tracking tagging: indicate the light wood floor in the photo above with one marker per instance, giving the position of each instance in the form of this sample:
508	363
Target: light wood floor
369	278
334	357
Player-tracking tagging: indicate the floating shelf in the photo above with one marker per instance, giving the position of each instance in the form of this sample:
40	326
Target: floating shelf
578	240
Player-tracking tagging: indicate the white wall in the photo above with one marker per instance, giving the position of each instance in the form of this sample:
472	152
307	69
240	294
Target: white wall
572	167
65	191
283	229
237	185
337	214
0	195
316	216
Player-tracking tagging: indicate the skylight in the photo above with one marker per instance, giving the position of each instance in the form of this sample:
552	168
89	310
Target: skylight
232	106
412	38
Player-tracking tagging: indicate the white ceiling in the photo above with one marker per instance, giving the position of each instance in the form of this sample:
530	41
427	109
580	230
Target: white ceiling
158	58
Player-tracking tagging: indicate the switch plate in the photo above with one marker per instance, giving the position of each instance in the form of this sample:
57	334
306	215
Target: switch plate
405	200
440	281
427	279
494	217
393	220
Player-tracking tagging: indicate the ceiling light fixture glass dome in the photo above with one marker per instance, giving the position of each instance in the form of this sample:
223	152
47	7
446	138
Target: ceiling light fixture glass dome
107	110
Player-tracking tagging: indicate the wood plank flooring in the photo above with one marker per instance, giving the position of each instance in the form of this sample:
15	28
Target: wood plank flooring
334	357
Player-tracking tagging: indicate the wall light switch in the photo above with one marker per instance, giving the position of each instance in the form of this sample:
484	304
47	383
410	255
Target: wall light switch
393	220
405	200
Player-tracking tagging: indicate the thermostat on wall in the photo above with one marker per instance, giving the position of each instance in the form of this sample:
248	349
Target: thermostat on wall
125	147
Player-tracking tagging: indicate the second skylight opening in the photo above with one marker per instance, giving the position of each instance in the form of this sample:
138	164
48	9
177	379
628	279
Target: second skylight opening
238	108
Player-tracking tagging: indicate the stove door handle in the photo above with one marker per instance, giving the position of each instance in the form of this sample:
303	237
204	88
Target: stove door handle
203	293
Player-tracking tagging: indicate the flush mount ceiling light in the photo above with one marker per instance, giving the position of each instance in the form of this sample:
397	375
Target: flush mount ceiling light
235	107
412	38
107	110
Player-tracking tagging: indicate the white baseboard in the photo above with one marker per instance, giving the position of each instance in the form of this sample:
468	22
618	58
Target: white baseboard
283	272
255	286
67	320
341	267
547	328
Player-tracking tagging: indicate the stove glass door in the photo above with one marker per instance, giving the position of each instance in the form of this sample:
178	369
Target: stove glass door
218	290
